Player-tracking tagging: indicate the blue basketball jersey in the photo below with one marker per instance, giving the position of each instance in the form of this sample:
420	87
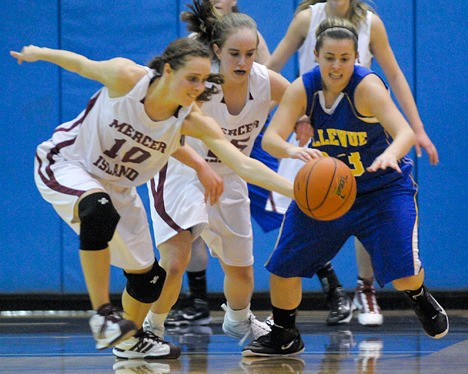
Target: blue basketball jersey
344	133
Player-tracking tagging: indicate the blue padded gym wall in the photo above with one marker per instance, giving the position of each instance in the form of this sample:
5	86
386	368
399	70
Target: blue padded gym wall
40	253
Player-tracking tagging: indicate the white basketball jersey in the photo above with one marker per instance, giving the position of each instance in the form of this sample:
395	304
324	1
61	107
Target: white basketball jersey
241	129
306	51
116	141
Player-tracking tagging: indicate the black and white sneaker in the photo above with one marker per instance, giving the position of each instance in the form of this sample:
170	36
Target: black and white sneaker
197	313
341	310
279	342
146	345
109	327
431	315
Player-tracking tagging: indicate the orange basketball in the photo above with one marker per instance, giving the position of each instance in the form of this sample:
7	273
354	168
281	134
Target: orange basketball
325	188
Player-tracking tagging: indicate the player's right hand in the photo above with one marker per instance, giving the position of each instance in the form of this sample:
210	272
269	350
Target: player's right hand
28	54
304	153
212	182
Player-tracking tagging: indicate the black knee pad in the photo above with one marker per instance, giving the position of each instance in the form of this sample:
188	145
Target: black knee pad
146	287
98	221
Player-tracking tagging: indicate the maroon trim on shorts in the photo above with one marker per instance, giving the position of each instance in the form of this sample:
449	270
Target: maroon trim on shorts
158	198
49	179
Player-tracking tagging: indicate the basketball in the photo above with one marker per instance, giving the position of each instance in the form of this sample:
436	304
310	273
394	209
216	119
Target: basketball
325	188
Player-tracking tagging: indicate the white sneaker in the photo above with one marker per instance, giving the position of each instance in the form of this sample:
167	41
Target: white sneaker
156	330
364	301
146	345
109	327
250	328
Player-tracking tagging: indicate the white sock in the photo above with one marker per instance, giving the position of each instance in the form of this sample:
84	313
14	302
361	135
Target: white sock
237	315
157	322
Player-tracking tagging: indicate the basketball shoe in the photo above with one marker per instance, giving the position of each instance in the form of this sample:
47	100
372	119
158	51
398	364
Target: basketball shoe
196	313
183	301
364	301
340	307
109	327
279	342
250	328
431	315
146	345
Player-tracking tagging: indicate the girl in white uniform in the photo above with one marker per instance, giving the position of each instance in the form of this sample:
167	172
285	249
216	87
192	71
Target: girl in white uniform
230	218
372	41
91	166
195	309
240	108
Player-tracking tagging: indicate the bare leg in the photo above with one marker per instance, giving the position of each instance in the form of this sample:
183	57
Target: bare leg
409	283
364	264
285	293
96	271
238	285
175	256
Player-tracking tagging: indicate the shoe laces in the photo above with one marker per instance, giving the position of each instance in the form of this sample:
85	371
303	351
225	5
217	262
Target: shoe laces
109	313
367	299
254	323
337	298
148	337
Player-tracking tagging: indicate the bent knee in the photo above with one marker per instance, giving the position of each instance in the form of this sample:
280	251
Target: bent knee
174	268
98	221
412	282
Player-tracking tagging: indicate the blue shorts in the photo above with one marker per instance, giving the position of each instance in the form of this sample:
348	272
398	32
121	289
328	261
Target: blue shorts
385	221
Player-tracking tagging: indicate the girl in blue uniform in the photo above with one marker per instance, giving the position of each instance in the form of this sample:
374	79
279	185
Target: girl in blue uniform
355	120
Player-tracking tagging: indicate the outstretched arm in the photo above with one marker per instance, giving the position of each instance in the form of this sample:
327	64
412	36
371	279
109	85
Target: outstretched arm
385	57
118	74
211	181
205	128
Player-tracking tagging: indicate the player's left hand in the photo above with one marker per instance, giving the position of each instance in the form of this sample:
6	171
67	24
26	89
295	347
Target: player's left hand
383	162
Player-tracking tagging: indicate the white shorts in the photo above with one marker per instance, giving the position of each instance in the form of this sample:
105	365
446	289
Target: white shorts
62	182
177	204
